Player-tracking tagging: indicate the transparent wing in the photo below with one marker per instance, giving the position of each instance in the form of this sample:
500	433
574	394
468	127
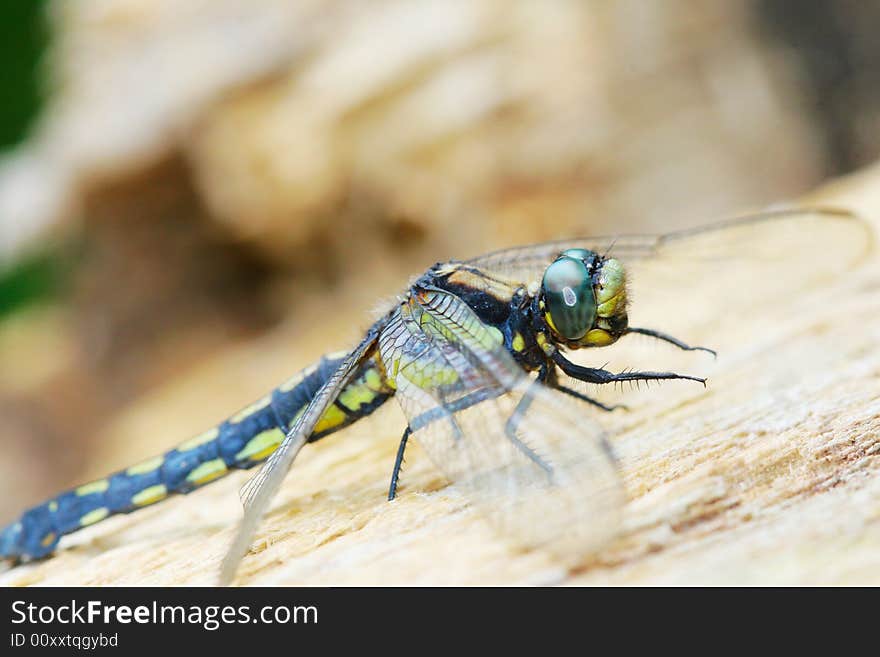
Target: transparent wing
529	457
527	263
724	283
734	273
257	494
745	238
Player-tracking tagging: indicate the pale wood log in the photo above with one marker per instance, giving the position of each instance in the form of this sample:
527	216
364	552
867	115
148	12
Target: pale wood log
770	476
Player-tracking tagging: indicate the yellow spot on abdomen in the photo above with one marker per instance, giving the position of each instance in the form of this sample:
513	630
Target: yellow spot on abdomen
519	342
48	539
94	487
333	417
373	381
94	516
207	471
199	440
355	396
150	495
261	445
145	467
53	506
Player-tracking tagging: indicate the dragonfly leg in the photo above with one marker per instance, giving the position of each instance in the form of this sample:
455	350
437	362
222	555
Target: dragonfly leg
553	381
517	416
437	415
398	462
665	337
445	410
601	376
590	400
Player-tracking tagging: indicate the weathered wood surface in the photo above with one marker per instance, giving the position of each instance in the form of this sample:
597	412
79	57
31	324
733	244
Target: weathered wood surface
769	476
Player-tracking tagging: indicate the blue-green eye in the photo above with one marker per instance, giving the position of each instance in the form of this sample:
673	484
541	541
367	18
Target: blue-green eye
568	297
579	254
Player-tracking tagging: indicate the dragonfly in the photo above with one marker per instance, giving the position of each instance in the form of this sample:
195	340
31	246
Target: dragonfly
478	355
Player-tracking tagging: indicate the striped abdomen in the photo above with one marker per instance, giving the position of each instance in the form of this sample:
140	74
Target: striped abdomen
243	441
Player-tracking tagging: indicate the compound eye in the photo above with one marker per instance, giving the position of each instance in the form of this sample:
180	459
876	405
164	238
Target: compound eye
579	254
568	297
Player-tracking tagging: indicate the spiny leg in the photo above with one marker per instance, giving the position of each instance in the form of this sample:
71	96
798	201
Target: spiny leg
601	376
593	402
665	337
516	417
440	413
445	410
398	462
553	381
467	402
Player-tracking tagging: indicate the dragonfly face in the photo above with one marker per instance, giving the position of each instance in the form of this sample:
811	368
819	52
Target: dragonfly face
581	302
583	299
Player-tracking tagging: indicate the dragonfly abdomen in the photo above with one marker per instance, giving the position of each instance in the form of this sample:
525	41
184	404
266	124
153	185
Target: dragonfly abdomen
244	440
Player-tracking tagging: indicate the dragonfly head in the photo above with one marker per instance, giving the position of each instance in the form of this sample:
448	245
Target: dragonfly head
583	297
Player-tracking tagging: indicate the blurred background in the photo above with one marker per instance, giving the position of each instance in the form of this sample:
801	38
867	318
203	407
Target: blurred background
198	198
